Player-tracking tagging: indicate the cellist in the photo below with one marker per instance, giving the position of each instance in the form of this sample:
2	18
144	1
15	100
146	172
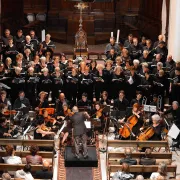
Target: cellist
156	127
135	115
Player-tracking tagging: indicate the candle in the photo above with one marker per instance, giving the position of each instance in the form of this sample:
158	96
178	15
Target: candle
111	34
118	33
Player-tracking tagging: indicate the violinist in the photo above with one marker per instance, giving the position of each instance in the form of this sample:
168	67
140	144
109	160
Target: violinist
42	131
5	130
48	120
133	116
65	115
98	113
4	127
3	109
42	101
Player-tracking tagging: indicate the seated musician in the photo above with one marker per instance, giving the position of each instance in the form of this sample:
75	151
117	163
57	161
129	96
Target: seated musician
48	120
3	109
147	160
121	103
135	116
175	111
42	102
4	128
97	113
21	101
84	101
65	115
138	99
157	128
42	131
104	98
60	101
128	159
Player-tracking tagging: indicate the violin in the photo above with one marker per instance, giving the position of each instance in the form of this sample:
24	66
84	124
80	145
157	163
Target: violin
45	128
49	119
68	113
99	113
10	112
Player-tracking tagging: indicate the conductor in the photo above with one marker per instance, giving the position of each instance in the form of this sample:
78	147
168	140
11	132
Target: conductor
79	131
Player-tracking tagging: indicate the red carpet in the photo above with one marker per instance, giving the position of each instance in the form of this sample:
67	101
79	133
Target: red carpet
79	173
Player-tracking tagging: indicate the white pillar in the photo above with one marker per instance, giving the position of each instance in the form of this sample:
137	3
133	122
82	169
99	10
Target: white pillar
163	17
174	30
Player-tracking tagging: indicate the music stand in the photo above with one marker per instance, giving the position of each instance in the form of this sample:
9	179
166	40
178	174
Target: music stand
174	133
149	108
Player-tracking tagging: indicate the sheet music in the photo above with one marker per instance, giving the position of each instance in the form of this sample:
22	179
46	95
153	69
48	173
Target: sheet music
174	131
130	80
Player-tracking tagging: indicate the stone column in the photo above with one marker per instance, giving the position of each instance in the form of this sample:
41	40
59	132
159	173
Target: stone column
174	30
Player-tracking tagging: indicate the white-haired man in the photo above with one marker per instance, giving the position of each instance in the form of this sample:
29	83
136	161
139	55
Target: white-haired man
79	131
175	112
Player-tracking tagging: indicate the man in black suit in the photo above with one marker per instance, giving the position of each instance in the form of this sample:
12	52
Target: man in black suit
21	101
79	131
44	173
128	159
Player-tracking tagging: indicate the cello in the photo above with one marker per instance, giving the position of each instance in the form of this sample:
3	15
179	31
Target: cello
126	130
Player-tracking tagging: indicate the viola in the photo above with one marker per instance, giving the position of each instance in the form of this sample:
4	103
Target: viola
99	113
49	119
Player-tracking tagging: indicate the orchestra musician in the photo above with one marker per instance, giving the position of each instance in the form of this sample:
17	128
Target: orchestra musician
5	128
42	131
155	129
175	112
65	116
84	101
79	131
42	101
21	101
104	98
98	113
60	102
121	103
133	121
